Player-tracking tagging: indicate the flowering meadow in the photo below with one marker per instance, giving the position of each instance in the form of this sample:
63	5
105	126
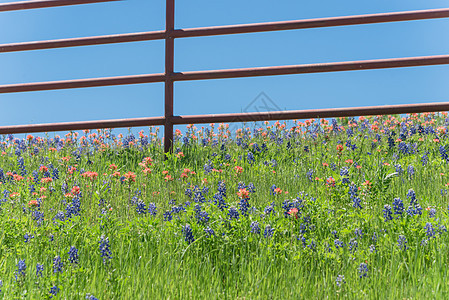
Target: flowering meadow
341	208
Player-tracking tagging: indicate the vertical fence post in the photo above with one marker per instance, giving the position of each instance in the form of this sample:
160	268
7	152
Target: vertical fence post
169	67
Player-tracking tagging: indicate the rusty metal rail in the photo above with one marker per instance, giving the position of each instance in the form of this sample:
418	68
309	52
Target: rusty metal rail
45	3
170	76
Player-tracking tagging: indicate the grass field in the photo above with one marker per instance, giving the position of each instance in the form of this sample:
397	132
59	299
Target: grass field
347	208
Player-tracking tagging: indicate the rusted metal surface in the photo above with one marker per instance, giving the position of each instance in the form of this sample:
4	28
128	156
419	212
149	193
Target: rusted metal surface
233	29
313	113
84	41
81	83
315	68
220	74
169	68
238	117
314	23
45	3
117	123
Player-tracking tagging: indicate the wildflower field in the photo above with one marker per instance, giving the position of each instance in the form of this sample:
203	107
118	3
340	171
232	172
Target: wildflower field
342	208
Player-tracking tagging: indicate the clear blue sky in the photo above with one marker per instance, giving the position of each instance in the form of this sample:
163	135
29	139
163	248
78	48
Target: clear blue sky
342	89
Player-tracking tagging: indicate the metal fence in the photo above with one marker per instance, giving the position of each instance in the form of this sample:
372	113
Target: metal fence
170	76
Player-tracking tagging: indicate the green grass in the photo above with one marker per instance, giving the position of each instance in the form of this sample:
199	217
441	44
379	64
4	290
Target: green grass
151	258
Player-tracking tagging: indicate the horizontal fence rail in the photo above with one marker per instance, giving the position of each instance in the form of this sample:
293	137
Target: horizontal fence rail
230	118
233	29
314	23
12	6
170	76
231	73
117	123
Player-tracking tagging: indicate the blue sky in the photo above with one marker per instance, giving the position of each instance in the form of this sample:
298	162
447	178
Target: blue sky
341	89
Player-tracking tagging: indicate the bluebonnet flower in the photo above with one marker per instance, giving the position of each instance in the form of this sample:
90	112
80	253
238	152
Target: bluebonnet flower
21	267
91	297
39	270
168	216
402	242
443	153
73	255
202	217
353	244
104	245
55	174
374	238
335	233
222	188
198	197
312	245
250	157
358	233
255	227
59	216
268	232
57	265
430	231
208	168
412	195
387	213
74	208
357	202
432	212
269	209
233	213
344	171
338	244
188	234
140	207
425	159
52	237
244	206
310	175
399	169
363	270
272	189
152	210
398	207
188	192
410	171
372	248
54	291
340	280
209	231
353	193
27	237
220	201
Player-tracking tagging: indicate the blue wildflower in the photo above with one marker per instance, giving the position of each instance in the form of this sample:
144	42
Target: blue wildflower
104	245
255	227
21	267
402	242
73	255
39	270
363	270
233	213
268	232
54	291
398	207
209	231
340	280
188	234
387	213
57	265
